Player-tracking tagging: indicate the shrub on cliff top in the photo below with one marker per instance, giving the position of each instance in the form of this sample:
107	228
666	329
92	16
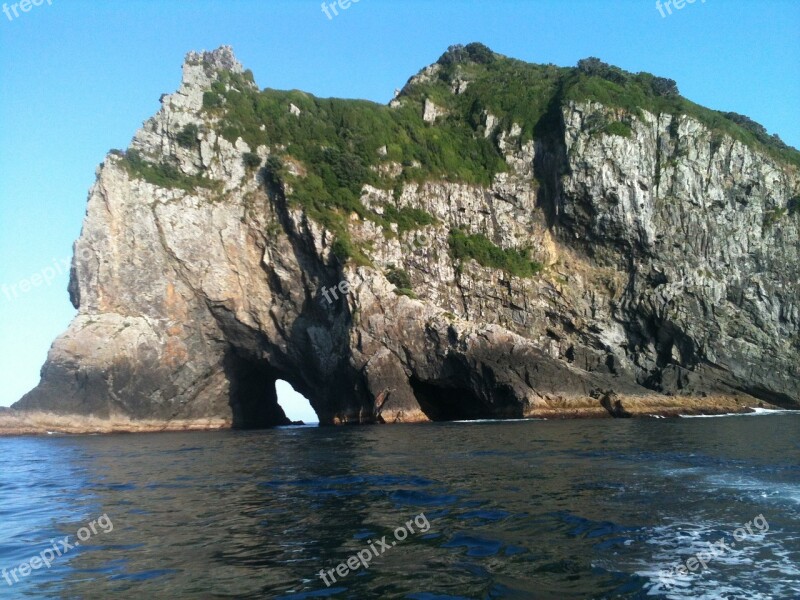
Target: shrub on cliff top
594	67
475	52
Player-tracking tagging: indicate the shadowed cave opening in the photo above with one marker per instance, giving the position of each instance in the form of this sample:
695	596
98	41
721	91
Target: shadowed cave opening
443	402
255	393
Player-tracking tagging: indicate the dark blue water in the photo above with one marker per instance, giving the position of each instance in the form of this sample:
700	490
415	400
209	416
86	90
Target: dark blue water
536	509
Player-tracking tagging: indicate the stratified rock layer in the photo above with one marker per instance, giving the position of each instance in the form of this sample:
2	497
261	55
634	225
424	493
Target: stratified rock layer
666	285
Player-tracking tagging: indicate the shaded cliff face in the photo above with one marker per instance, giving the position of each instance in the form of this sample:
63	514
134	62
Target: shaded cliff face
493	254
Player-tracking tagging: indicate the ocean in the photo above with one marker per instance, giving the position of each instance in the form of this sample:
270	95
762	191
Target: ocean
612	508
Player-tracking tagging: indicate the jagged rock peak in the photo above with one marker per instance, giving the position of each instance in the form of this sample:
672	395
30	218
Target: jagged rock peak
201	70
221	59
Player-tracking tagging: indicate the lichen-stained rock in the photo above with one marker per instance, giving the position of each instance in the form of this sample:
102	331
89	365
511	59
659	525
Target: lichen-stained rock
711	284
651	267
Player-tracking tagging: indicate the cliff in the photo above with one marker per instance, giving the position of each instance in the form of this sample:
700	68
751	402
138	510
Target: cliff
503	240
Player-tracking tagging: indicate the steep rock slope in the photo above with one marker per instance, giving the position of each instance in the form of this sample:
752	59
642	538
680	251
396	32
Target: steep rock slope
504	240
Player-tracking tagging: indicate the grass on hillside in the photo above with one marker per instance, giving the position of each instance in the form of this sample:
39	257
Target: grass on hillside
341	143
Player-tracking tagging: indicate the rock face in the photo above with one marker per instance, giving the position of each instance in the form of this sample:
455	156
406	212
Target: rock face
671	275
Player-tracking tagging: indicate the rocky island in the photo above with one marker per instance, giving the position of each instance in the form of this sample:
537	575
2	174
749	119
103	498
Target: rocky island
502	240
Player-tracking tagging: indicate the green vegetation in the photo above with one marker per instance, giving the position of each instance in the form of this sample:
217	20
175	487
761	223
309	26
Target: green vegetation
274	170
532	95
212	100
758	130
251	160
405	292
471	53
618	128
338	140
337	145
162	174
408	219
773	216
652	85
511	90
479	248
398	277
794	206
611	86
188	136
402	282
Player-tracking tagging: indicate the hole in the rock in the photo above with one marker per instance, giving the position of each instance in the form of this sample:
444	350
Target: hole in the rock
259	399
294	404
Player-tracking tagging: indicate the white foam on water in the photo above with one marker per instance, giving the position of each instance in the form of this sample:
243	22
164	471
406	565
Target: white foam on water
760	560
714	416
499	420
771	411
755	413
756	488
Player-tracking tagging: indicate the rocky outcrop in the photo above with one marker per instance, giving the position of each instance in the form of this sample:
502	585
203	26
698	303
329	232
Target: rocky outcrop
667	281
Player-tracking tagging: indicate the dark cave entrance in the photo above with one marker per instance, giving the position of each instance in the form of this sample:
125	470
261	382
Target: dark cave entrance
254	394
442	402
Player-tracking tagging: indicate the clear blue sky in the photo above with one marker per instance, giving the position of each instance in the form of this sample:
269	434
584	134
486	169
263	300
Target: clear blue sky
77	78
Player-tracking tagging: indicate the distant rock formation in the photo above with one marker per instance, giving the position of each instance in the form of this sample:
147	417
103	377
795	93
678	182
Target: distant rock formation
495	267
